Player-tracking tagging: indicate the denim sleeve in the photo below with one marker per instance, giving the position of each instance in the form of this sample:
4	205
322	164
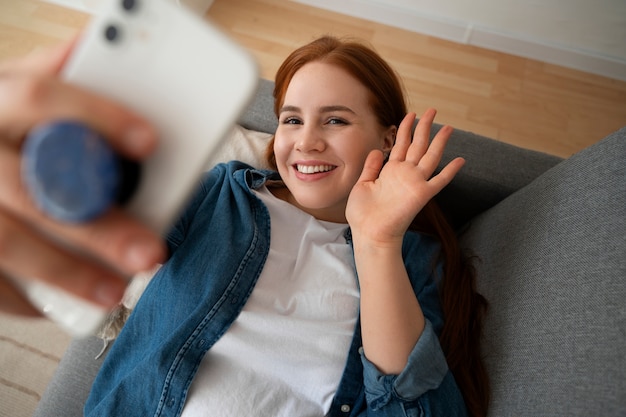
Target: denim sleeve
425	387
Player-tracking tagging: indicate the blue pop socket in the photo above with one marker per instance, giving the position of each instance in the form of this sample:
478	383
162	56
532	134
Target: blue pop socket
73	174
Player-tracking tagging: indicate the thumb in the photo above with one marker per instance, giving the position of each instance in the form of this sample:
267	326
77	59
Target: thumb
372	166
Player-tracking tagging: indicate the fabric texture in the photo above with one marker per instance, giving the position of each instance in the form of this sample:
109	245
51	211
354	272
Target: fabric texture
260	113
552	263
68	390
493	170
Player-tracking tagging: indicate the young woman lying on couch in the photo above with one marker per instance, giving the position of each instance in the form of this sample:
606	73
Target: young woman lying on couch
330	285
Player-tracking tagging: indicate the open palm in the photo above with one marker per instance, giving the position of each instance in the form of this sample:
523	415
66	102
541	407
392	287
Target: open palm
384	201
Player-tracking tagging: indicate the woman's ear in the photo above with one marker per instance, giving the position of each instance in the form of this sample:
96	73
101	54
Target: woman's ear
389	139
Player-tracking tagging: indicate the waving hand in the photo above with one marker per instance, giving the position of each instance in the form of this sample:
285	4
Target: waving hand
385	200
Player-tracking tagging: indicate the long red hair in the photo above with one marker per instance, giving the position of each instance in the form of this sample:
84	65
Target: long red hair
463	307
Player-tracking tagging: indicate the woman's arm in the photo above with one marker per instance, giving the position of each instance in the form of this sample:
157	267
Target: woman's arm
391	317
380	209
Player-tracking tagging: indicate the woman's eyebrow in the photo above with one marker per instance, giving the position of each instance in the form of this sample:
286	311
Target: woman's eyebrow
323	109
289	108
331	109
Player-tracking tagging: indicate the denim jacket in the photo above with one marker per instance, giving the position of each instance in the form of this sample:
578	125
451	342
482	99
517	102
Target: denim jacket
217	251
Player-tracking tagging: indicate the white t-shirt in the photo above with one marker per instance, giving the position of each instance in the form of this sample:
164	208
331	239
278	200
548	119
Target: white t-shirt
286	352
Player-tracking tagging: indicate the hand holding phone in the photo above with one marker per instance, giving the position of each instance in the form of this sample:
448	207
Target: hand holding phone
184	76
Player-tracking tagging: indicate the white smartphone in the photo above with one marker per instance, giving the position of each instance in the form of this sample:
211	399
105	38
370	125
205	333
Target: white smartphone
182	74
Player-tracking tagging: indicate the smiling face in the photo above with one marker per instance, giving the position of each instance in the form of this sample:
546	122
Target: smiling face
326	130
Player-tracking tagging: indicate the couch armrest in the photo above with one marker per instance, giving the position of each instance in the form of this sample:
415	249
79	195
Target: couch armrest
552	266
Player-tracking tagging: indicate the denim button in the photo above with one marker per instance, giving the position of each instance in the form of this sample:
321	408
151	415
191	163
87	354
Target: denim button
345	408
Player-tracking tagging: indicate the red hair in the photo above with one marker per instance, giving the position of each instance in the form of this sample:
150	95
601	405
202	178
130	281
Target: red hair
462	306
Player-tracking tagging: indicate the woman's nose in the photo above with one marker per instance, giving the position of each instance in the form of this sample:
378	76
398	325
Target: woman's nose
310	140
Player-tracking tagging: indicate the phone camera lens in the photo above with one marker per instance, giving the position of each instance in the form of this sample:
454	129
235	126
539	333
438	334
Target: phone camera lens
112	33
129	5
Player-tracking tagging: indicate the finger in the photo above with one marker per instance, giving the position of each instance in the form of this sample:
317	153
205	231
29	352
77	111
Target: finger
23	253
403	138
27	101
447	174
13	302
421	137
116	238
430	160
371	168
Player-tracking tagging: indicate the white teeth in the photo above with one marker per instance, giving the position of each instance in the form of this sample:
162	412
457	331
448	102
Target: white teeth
312	169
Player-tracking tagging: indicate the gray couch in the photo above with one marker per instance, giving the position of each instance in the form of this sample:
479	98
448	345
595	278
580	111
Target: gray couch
550	241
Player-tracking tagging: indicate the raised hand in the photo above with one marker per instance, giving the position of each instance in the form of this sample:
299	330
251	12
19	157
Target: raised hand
386	198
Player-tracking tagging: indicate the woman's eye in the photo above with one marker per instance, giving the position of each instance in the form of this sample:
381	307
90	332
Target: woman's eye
291	121
336	121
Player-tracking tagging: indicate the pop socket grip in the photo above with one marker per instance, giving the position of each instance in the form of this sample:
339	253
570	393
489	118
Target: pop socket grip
73	174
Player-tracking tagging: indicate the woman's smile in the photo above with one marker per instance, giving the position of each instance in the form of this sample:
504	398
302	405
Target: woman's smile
312	170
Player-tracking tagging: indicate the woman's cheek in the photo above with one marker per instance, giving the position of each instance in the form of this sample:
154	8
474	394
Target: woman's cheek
281	153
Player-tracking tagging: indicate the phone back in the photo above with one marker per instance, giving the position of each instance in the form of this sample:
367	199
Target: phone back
176	70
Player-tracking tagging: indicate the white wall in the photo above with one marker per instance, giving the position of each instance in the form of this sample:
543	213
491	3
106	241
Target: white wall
589	35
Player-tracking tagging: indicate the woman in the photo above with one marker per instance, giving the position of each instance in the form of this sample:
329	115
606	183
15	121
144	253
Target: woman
263	266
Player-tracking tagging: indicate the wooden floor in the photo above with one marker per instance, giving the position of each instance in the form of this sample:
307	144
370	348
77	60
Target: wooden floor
515	100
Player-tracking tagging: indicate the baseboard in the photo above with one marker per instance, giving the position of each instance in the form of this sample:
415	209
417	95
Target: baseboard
467	33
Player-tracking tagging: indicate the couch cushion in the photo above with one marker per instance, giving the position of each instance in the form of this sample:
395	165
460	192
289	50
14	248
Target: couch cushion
259	115
553	267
